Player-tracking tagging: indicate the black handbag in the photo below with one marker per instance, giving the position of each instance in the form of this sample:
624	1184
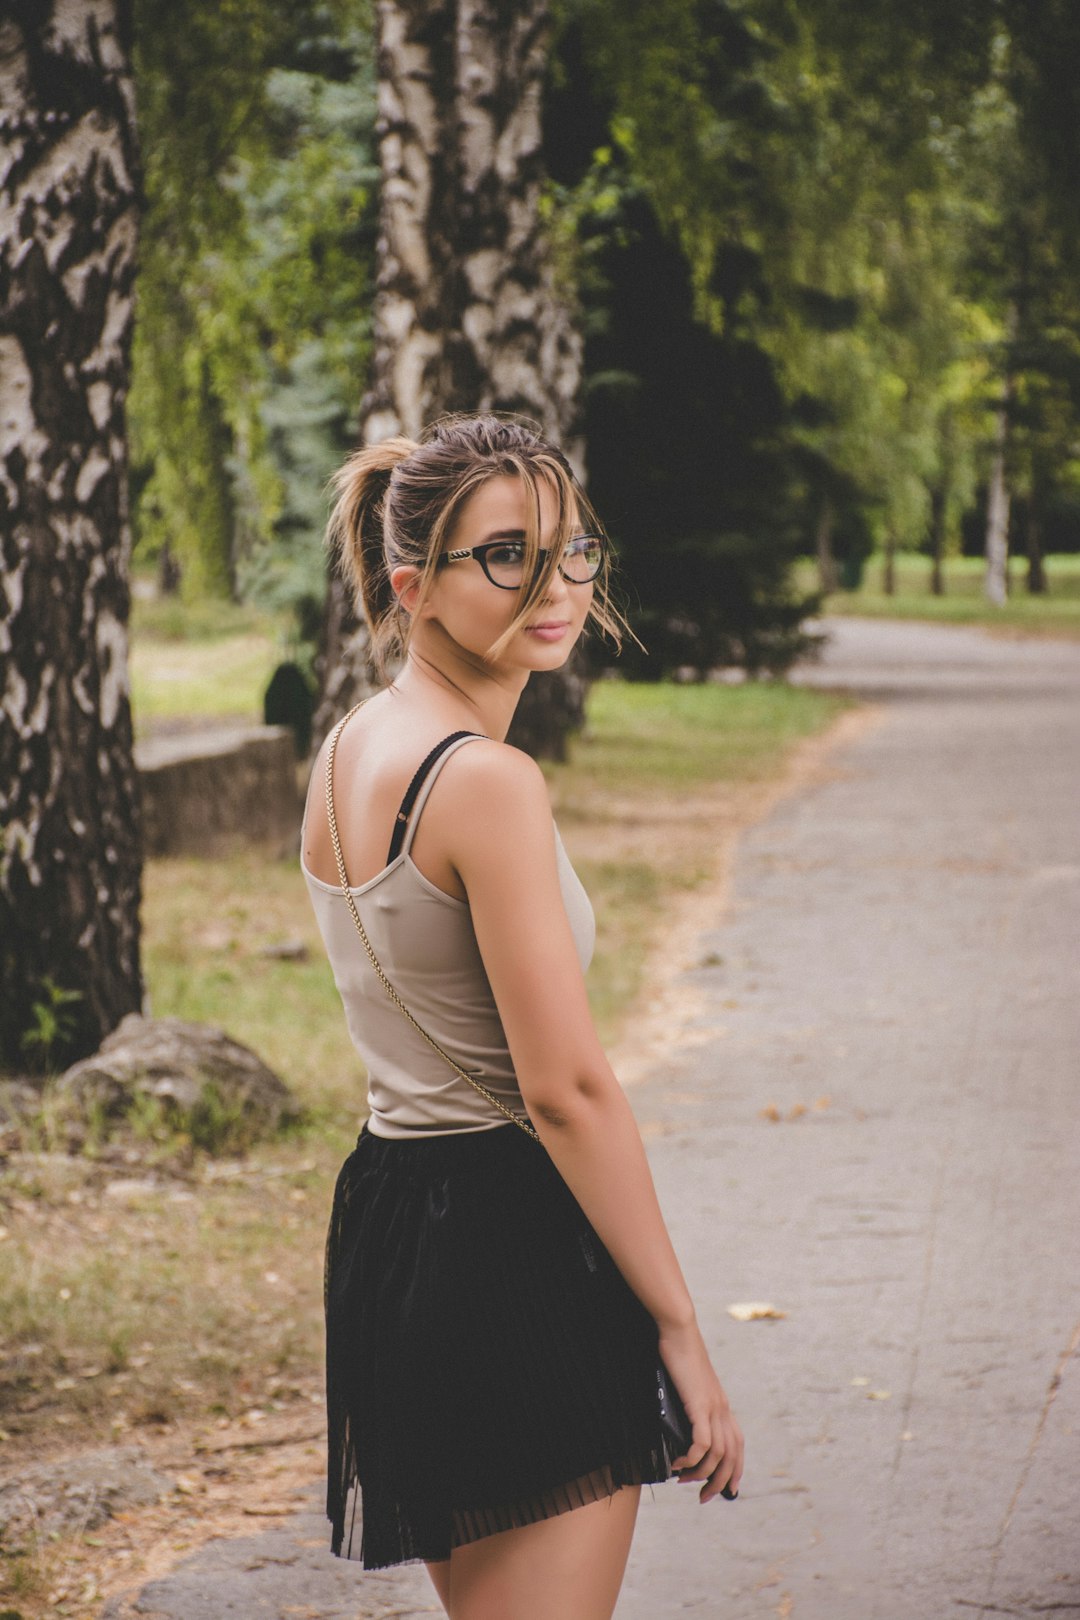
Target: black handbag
674	1423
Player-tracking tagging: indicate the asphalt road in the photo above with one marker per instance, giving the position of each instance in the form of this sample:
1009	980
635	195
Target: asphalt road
878	1135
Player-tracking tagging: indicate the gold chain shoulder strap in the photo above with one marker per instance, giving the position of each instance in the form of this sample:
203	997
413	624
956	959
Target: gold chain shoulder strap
387	986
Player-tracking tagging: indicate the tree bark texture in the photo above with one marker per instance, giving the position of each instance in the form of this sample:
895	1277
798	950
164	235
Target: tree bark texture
996	578
888	575
70	875
996	584
467	312
1036	569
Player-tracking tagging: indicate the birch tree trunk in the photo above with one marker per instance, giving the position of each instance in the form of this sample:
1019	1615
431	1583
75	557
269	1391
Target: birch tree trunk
997	517
996	578
467	312
70	873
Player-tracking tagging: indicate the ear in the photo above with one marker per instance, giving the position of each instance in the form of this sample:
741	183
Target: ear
405	582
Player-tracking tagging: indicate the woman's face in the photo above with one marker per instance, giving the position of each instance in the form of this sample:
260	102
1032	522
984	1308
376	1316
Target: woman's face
473	612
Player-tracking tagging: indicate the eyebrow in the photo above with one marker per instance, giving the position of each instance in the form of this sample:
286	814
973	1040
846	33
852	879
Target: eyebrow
504	534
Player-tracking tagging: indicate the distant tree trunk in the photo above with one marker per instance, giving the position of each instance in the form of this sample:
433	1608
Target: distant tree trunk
216	503
939	500
826	562
997	518
70	874
996	583
889	574
168	571
1036	569
938	510
467	313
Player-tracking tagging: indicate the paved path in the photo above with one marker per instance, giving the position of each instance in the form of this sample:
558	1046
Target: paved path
903	940
901	947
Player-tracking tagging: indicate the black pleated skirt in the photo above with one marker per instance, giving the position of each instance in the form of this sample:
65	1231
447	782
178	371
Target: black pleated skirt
487	1365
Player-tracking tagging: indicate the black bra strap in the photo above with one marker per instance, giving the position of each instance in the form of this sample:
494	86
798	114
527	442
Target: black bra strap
414	787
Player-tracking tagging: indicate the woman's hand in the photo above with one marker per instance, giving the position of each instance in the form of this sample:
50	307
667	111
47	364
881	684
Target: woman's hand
716	1453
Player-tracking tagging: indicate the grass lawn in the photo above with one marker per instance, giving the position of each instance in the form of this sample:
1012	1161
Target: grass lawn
1057	613
212	660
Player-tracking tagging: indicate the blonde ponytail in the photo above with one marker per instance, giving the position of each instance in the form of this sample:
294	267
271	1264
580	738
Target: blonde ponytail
356	537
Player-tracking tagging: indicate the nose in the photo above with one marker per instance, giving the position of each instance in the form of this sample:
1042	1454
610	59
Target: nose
557	590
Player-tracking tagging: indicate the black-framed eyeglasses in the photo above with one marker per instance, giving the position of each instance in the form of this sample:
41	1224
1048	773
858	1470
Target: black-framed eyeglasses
503	561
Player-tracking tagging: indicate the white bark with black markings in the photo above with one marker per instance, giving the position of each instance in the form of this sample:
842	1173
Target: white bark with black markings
467	312
69	841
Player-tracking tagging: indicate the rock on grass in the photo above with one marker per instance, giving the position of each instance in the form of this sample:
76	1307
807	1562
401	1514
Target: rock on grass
69	1496
164	1075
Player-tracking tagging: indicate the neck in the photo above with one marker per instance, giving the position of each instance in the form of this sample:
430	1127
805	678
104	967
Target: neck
472	695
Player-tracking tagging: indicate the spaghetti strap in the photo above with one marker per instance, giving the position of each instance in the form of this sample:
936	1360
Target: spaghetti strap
418	789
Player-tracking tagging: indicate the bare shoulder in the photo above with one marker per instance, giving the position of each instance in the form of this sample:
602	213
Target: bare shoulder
493	779
494	805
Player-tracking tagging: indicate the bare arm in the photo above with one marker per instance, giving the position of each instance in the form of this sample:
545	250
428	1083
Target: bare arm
503	847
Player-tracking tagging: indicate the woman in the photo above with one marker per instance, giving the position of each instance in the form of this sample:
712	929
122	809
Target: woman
495	1305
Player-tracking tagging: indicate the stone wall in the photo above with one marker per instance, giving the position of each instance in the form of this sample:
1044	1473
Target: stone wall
212	791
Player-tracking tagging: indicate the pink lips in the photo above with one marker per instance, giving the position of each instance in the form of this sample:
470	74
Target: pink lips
548	632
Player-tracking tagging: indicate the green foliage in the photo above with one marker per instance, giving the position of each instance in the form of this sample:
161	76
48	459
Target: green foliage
213	1125
657	131
53	1028
165	1129
1044	86
865	195
313	216
685	466
255	274
867	224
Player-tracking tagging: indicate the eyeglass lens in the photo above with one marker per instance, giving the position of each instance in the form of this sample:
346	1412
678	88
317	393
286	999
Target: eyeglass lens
580	562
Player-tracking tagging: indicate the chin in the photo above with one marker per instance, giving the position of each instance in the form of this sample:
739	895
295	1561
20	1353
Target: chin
551	657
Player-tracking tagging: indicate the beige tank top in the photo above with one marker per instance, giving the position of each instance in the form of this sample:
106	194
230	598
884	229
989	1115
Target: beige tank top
425	943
